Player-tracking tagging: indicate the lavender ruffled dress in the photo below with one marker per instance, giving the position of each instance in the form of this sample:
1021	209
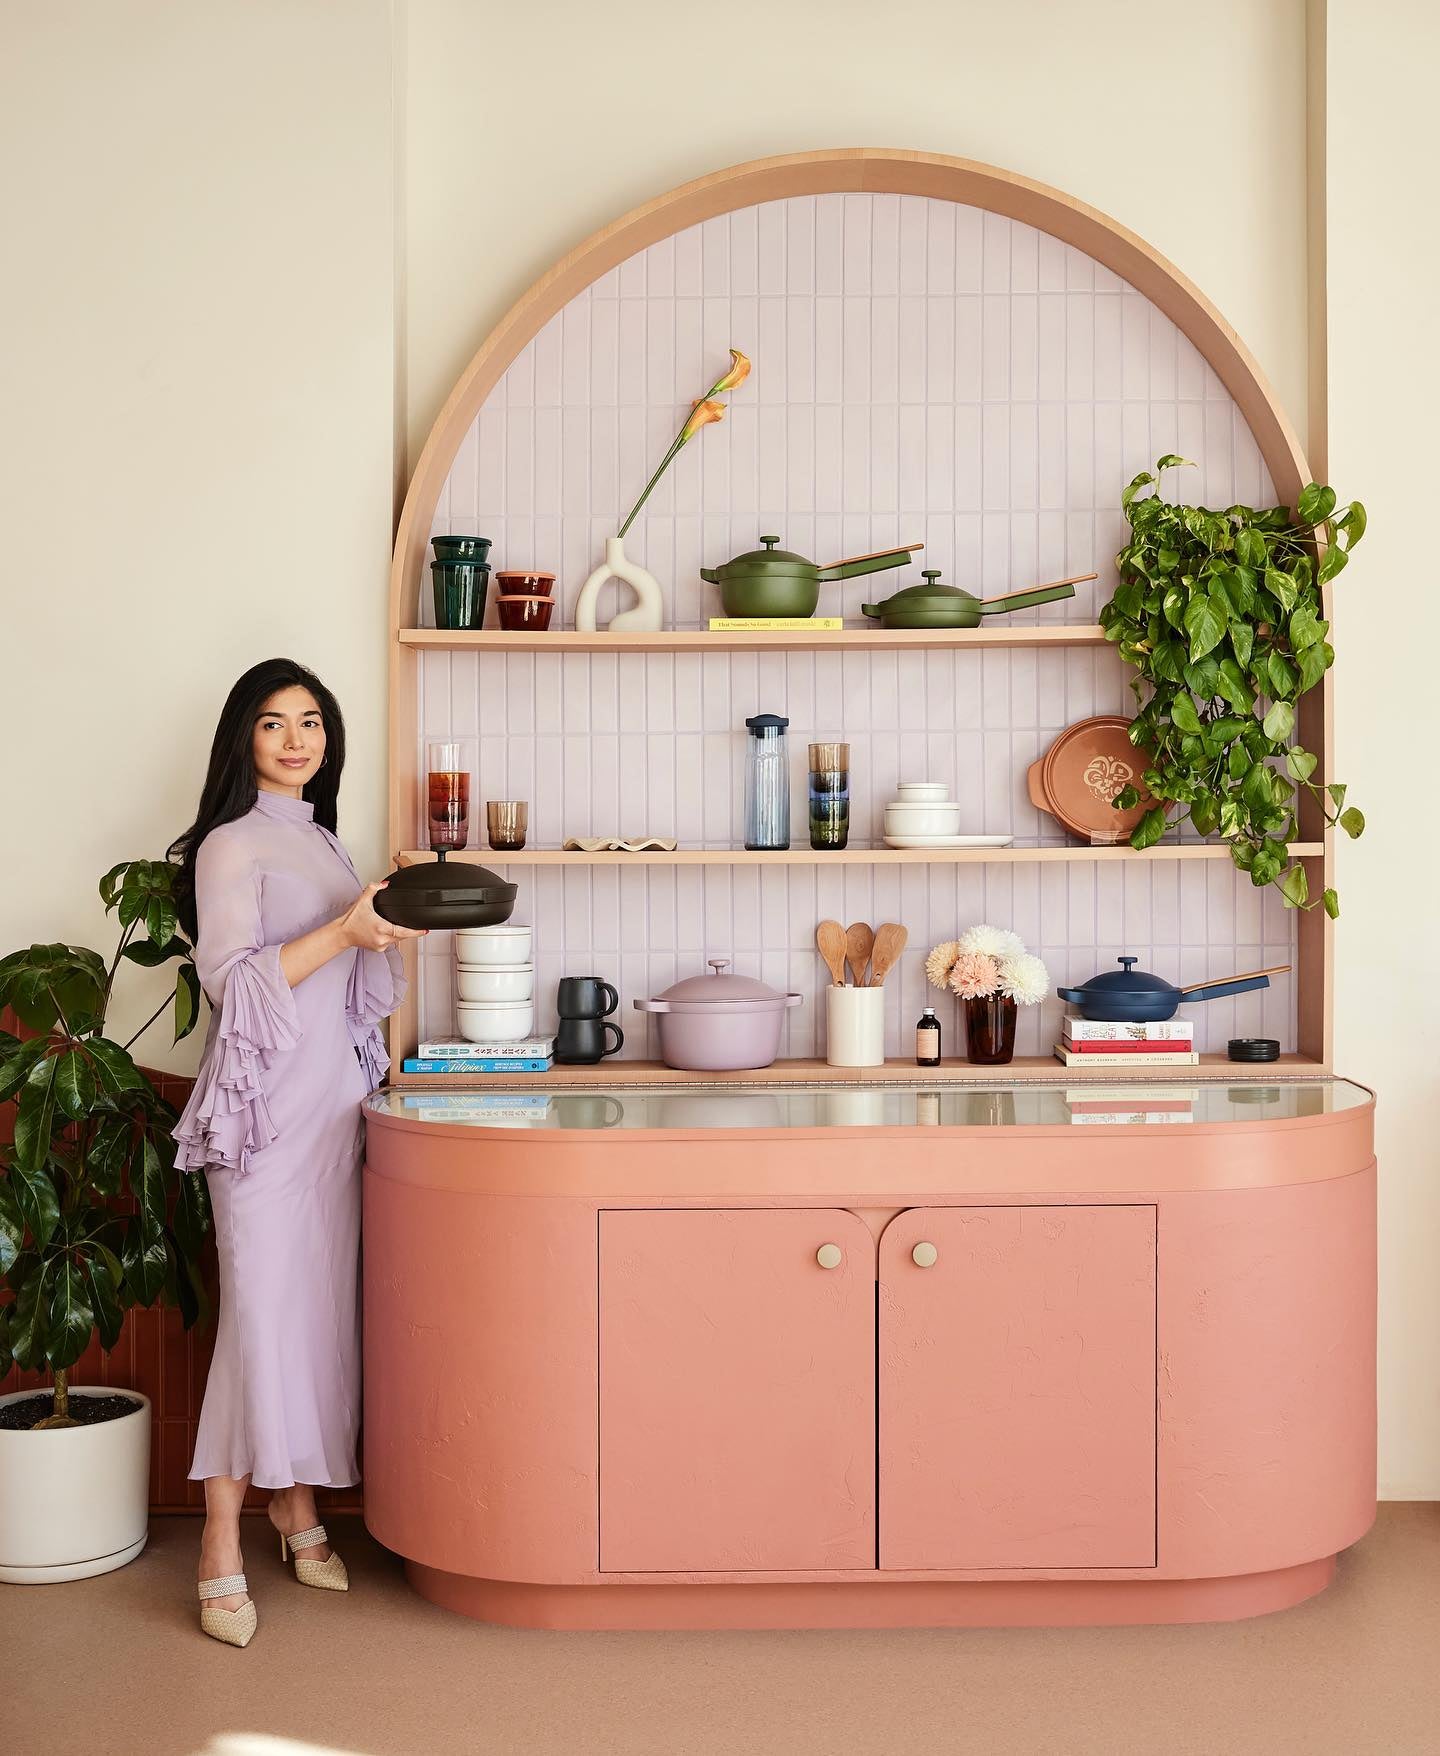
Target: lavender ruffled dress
274	1121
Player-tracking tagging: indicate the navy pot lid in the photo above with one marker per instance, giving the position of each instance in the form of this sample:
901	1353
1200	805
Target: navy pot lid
1127	980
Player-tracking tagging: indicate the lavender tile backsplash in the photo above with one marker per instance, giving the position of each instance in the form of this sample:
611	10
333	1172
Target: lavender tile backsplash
922	372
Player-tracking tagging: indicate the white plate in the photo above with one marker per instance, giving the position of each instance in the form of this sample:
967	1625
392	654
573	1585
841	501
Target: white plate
948	841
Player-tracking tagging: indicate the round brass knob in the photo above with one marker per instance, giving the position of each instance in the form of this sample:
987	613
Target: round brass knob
924	1255
829	1255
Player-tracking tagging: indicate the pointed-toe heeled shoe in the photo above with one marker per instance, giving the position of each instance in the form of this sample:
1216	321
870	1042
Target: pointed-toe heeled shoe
230	1627
324	1575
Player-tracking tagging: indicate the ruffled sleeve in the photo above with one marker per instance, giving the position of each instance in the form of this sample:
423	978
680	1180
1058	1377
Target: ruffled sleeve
377	986
227	1118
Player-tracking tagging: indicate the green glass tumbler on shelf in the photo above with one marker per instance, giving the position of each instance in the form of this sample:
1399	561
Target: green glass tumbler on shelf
460	588
829	795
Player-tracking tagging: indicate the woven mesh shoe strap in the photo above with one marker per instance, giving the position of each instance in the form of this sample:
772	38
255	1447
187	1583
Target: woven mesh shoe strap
307	1539
232	1585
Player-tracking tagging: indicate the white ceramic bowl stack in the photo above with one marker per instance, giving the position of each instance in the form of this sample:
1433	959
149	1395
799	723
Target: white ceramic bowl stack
494	984
924	816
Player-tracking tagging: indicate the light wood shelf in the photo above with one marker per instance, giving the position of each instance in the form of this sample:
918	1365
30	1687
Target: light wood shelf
1028	1069
762	640
850	856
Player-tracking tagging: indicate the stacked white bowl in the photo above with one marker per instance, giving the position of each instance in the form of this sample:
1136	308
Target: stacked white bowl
922	814
494	984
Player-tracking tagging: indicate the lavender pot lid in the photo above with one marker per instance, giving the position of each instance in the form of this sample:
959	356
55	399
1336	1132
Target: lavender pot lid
719	990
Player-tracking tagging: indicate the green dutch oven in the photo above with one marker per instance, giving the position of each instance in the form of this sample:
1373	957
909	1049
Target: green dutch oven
773	582
947	606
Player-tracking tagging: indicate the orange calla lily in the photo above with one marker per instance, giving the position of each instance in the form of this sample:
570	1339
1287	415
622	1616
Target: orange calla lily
701	415
736	376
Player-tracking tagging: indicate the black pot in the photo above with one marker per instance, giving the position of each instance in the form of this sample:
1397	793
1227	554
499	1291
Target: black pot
440	895
1133	996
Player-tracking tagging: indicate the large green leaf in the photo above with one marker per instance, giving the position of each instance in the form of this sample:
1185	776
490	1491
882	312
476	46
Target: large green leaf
1149	829
149	1187
109	1155
1295	887
1316	503
105	1300
143	1257
193	1219
29	1315
12	1229
1353	524
74	1084
110	885
160	919
1205	623
1279	721
117	1071
37	1200
72	1320
17	1063
35	1114
1352	822
1183	714
148	953
187	1000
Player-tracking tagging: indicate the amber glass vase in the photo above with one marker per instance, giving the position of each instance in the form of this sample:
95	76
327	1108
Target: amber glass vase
990	1030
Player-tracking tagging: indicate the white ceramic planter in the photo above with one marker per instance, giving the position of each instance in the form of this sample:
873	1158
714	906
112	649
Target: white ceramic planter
74	1501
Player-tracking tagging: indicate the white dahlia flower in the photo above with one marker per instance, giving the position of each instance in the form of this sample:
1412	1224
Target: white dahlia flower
996	942
1024	978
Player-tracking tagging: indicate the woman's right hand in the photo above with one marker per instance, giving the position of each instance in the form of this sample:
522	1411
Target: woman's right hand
361	927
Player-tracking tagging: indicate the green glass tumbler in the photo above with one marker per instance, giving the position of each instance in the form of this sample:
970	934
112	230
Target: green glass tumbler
460	589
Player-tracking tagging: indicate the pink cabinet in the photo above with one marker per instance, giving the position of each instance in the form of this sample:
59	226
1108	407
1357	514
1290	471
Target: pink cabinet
737	1391
1017	1387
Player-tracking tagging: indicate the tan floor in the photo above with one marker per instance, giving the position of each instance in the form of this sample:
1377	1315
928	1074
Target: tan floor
379	1672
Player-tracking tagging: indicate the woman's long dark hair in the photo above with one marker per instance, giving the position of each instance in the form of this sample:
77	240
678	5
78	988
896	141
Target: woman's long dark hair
230	791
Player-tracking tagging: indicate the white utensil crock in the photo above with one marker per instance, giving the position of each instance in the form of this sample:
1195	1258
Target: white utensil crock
854	1027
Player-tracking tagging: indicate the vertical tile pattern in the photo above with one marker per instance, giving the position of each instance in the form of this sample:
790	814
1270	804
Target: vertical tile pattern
922	372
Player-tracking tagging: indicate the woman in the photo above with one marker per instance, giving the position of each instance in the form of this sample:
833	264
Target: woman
299	970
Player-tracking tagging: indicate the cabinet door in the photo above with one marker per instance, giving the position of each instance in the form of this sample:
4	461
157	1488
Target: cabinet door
1017	1388
737	1391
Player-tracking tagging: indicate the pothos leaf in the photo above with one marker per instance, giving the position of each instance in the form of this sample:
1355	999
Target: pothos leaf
1205	623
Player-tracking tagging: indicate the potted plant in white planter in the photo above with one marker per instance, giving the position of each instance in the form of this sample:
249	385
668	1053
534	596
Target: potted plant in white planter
93	1219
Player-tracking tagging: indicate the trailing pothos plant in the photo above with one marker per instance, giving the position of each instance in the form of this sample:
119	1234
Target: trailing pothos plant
1220	612
93	1217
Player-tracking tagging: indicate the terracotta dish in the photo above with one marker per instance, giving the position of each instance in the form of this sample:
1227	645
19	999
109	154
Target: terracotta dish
516	584
1083	770
524	614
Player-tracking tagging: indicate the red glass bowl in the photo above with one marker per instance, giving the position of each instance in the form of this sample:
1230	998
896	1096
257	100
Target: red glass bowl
524	615
525	585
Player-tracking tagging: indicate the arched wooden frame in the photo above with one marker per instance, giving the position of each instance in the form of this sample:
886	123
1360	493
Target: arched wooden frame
877	171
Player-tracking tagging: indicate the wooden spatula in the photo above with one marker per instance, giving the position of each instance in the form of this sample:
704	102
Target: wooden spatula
890	941
859	942
830	937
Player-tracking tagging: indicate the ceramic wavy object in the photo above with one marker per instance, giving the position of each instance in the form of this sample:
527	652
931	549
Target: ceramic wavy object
643	616
595	844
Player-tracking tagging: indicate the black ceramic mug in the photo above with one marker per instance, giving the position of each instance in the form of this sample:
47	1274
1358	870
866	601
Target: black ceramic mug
582	1041
585	997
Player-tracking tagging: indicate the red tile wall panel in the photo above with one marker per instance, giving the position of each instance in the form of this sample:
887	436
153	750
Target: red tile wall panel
157	1356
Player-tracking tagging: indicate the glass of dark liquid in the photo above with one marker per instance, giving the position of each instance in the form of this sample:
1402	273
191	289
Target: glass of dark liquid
447	803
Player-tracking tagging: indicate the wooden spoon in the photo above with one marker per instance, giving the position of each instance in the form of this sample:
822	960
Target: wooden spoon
830	937
890	941
859	942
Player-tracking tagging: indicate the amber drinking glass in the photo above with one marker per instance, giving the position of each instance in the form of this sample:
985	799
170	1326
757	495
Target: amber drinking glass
447	808
506	821
990	1030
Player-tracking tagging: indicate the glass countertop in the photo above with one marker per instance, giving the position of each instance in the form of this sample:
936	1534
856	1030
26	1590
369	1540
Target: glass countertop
892	1106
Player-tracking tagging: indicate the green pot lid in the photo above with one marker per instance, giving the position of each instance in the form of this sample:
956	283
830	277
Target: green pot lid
929	596
769	560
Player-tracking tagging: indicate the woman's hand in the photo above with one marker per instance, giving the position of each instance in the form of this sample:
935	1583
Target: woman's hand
361	927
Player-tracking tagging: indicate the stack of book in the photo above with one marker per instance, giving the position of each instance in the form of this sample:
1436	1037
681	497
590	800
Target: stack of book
1085	1042
1130	1105
532	1055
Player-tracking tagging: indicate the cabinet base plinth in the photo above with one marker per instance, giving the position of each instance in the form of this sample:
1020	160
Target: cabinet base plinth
998	1603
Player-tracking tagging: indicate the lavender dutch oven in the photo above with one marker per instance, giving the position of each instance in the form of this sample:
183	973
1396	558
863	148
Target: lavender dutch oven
719	1023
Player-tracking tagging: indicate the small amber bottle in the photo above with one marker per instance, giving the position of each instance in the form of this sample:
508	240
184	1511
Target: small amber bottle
927	1039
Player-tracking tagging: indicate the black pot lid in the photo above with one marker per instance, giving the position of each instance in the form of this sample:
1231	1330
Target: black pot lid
442	880
1127	980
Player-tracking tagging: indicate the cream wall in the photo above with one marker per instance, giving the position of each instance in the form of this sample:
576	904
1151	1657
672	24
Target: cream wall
222	291
1384	389
197	343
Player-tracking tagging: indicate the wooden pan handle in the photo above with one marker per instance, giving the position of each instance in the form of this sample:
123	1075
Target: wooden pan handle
1046	585
876	555
1278	969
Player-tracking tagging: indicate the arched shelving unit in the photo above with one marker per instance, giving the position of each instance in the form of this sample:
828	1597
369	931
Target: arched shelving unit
842	171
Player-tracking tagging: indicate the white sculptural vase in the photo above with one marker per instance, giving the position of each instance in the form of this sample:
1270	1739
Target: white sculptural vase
643	616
